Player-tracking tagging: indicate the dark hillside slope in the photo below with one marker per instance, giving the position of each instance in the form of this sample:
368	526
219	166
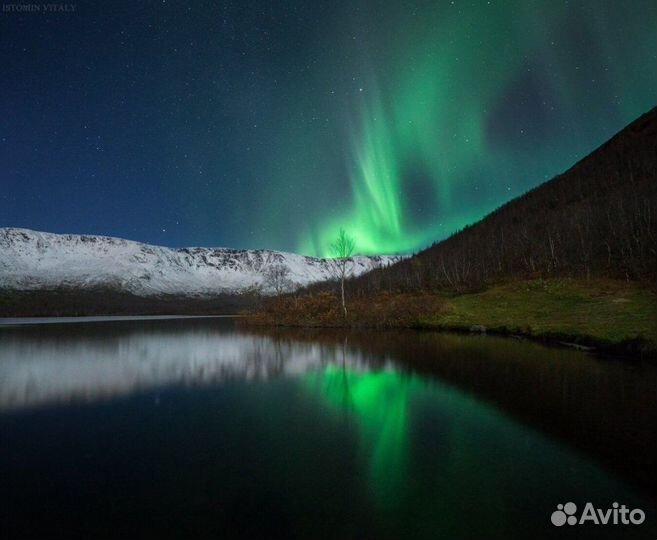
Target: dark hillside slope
598	219
574	260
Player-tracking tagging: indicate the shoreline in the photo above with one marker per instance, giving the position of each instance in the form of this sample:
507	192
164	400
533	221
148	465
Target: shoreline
635	349
630	349
608	317
28	321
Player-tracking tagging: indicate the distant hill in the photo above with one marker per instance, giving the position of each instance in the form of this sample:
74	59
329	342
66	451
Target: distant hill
598	219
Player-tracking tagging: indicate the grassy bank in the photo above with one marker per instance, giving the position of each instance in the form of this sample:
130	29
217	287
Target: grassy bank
599	312
589	312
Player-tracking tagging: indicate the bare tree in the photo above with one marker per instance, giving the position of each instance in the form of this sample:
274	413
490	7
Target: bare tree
276	278
341	251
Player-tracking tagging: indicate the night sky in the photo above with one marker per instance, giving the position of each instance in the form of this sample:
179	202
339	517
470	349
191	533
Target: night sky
265	124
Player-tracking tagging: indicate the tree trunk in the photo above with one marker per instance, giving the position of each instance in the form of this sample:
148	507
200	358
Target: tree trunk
344	306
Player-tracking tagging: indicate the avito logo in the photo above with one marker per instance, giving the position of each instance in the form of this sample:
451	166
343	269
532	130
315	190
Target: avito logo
616	515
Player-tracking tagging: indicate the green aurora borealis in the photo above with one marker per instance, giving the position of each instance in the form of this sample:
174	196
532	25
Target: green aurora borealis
431	121
263	124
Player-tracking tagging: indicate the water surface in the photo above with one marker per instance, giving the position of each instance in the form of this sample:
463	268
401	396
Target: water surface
196	428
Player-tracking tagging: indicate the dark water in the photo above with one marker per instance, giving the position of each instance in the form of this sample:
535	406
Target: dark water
196	429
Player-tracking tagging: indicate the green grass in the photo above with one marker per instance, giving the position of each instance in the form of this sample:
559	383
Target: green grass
594	311
615	315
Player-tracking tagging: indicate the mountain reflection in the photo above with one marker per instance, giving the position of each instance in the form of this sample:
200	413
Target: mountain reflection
44	366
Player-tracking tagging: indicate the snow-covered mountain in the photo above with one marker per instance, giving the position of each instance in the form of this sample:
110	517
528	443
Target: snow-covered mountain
31	260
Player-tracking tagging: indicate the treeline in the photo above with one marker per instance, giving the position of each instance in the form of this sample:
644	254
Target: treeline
76	302
598	219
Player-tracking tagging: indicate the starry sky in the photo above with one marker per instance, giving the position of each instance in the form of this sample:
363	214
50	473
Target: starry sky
270	124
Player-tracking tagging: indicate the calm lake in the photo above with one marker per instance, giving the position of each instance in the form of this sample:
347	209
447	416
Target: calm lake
196	428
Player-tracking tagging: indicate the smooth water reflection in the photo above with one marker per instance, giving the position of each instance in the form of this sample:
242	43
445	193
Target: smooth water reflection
55	365
200	429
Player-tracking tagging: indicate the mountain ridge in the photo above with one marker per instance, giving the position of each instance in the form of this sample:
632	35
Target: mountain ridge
34	260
